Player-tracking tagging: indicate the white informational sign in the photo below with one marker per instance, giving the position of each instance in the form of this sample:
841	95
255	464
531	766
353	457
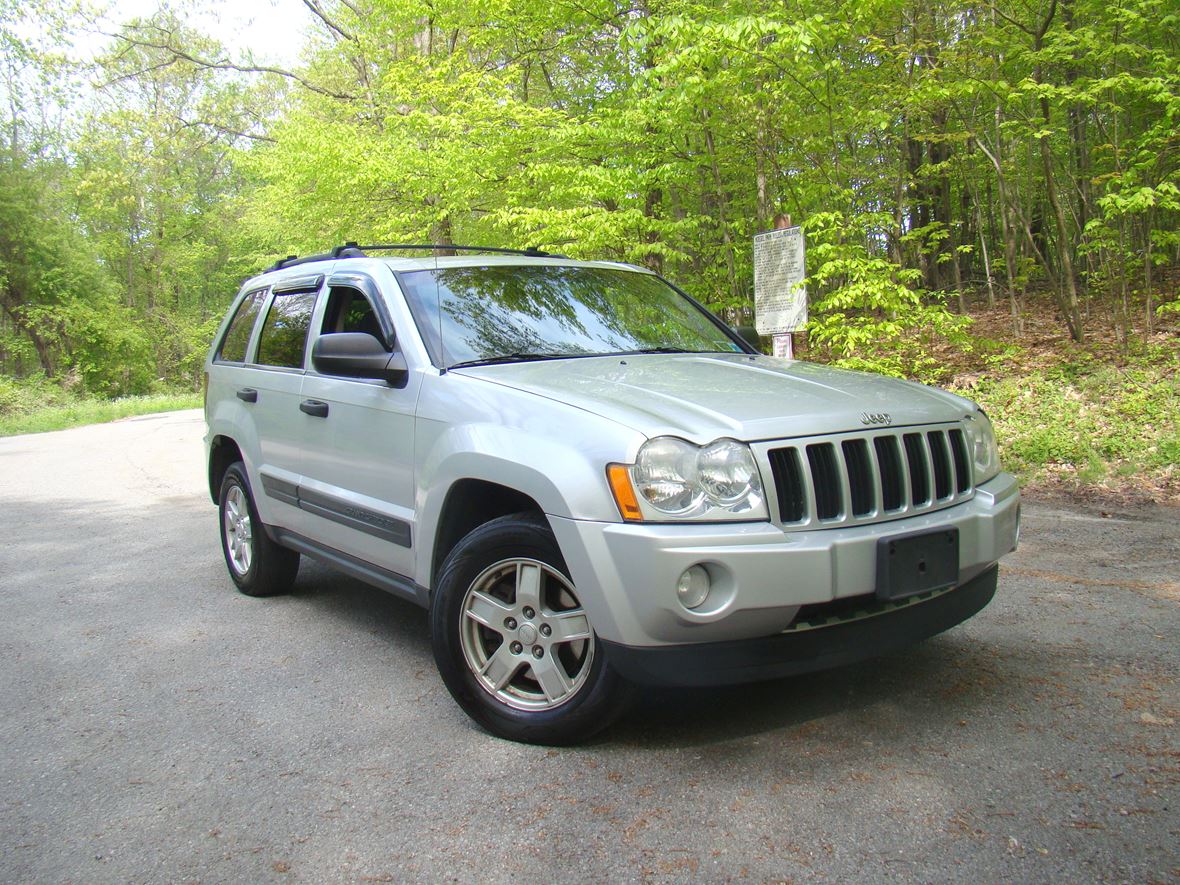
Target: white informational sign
780	298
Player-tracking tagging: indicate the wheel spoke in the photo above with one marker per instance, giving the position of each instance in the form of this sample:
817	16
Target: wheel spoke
488	611
569	626
501	667
528	585
552	678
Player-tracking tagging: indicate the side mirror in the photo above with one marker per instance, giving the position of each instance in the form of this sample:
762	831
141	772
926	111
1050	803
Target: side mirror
358	355
750	336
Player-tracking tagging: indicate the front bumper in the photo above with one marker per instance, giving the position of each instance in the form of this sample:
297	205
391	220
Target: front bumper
626	574
803	650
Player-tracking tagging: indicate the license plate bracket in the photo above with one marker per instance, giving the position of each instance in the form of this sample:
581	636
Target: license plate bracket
917	563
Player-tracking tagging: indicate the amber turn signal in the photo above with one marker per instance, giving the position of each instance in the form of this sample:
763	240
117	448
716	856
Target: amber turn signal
620	485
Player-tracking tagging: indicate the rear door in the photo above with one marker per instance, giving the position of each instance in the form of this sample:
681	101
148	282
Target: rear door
358	479
276	377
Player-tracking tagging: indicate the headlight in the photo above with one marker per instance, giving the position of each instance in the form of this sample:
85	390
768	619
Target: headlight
728	473
981	438
674	478
666	475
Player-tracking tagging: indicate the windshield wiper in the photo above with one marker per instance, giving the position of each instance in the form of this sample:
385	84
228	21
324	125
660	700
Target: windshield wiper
668	350
518	357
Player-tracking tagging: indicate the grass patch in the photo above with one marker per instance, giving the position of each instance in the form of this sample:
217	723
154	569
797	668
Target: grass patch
77	411
1086	422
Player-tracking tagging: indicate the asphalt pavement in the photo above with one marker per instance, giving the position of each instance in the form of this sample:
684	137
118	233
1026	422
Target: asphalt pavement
157	726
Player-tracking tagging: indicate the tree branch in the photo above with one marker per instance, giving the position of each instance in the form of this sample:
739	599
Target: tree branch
222	129
226	65
1010	20
319	13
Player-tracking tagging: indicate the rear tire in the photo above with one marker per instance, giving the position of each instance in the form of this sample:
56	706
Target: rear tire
512	642
258	565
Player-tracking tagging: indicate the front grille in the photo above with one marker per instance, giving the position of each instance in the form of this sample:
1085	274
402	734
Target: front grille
853	608
892	475
915	455
825	477
942	464
959	452
861	487
788	473
852	478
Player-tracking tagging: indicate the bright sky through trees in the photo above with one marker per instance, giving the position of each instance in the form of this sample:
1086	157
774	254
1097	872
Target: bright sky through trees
272	29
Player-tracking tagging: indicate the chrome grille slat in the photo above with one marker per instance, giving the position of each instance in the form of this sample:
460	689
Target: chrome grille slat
852	478
845	480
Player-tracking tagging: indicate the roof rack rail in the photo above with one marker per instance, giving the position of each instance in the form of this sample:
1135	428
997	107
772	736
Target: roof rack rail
352	250
532	251
348	250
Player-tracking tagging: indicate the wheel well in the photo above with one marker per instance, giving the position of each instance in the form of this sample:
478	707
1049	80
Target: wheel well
469	504
223	453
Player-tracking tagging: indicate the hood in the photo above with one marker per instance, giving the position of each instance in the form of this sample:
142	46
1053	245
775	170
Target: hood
702	397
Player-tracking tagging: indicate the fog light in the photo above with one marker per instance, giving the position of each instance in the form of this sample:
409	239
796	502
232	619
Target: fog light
693	586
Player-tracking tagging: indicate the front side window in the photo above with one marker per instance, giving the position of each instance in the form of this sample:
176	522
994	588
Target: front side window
284	334
499	312
348	310
237	336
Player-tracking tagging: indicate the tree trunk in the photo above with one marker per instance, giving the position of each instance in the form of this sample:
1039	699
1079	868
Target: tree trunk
722	213
1067	291
11	304
653	260
1148	283
987	264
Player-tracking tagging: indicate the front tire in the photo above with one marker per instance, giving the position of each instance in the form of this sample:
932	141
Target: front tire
258	565
512	642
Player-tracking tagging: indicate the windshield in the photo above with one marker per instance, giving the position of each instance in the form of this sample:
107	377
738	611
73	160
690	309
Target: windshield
513	312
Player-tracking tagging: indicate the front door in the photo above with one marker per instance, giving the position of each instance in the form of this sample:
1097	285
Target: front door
357	489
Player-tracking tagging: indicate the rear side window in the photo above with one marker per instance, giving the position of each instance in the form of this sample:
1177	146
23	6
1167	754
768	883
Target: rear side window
237	336
284	334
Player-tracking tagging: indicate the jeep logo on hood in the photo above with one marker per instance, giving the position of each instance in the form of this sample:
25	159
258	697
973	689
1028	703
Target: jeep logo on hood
876	418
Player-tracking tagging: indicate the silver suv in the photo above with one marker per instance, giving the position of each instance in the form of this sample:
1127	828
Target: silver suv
588	479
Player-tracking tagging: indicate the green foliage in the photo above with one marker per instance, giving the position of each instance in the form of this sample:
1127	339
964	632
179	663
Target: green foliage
28	395
924	148
1090	419
37	406
53	291
869	316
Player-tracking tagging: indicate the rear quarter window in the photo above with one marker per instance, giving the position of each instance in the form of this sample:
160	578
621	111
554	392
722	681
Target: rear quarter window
284	334
237	336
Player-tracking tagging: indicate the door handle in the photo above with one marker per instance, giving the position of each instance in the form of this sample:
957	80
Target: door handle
248	395
314	407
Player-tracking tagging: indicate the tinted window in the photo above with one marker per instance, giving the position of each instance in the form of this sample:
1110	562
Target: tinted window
475	313
284	334
350	311
237	336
